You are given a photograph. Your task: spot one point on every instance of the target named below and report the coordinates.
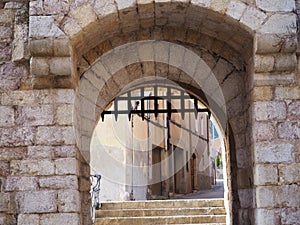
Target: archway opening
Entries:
(157, 142)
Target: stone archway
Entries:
(244, 36)
(116, 69)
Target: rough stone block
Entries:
(104, 8)
(6, 17)
(276, 5)
(246, 198)
(242, 156)
(280, 24)
(265, 174)
(236, 9)
(123, 4)
(38, 115)
(8, 154)
(64, 115)
(65, 152)
(274, 152)
(263, 93)
(32, 167)
(57, 218)
(219, 5)
(68, 201)
(21, 183)
(289, 174)
(290, 216)
(15, 137)
(203, 3)
(253, 18)
(265, 216)
(60, 66)
(4, 202)
(55, 135)
(287, 196)
(264, 63)
(66, 166)
(84, 15)
(59, 182)
(61, 47)
(267, 110)
(289, 93)
(294, 110)
(40, 152)
(43, 47)
(289, 130)
(263, 131)
(286, 62)
(7, 117)
(42, 27)
(39, 66)
(52, 7)
(265, 196)
(28, 219)
(36, 201)
(273, 79)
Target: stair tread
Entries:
(177, 216)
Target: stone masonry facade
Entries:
(57, 74)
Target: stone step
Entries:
(190, 203)
(150, 220)
(161, 212)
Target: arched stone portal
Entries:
(250, 46)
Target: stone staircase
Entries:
(209, 212)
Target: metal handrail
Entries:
(95, 191)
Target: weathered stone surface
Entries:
(294, 110)
(265, 216)
(263, 131)
(60, 66)
(38, 115)
(57, 218)
(59, 182)
(39, 66)
(16, 183)
(280, 24)
(264, 63)
(7, 117)
(32, 167)
(289, 130)
(66, 166)
(274, 152)
(42, 27)
(6, 17)
(65, 152)
(40, 152)
(289, 174)
(273, 79)
(263, 93)
(14, 137)
(253, 18)
(64, 115)
(8, 154)
(68, 201)
(4, 202)
(265, 174)
(287, 93)
(55, 135)
(43, 47)
(276, 5)
(10, 75)
(246, 198)
(28, 219)
(286, 62)
(52, 7)
(36, 201)
(290, 216)
(266, 110)
(80, 13)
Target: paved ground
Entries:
(217, 191)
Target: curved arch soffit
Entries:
(93, 81)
